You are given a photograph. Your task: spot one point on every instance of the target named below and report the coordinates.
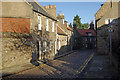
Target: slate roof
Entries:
(84, 32)
(38, 8)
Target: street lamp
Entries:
(110, 30)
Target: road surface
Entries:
(69, 66)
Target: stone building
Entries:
(61, 41)
(70, 37)
(108, 16)
(64, 35)
(84, 39)
(28, 33)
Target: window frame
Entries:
(39, 22)
(53, 25)
(90, 39)
(40, 57)
(89, 34)
(47, 25)
(50, 46)
(44, 46)
(86, 45)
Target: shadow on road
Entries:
(34, 60)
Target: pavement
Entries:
(27, 66)
(100, 67)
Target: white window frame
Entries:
(85, 39)
(59, 44)
(107, 21)
(55, 47)
(44, 46)
(39, 22)
(40, 57)
(63, 21)
(95, 39)
(53, 26)
(89, 34)
(50, 45)
(95, 45)
(47, 25)
(90, 39)
(86, 45)
(67, 25)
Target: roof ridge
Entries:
(40, 5)
(44, 9)
(45, 13)
(28, 3)
(84, 31)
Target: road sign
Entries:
(110, 29)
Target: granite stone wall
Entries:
(62, 44)
(43, 35)
(16, 49)
(102, 40)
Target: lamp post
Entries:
(110, 30)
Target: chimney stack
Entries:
(51, 9)
(61, 18)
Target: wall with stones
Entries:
(62, 44)
(63, 26)
(16, 49)
(70, 37)
(51, 9)
(103, 40)
(106, 12)
(102, 11)
(102, 31)
(43, 35)
(16, 17)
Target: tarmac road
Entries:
(65, 67)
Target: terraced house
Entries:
(70, 37)
(108, 16)
(64, 35)
(28, 33)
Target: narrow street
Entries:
(69, 66)
(60, 39)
